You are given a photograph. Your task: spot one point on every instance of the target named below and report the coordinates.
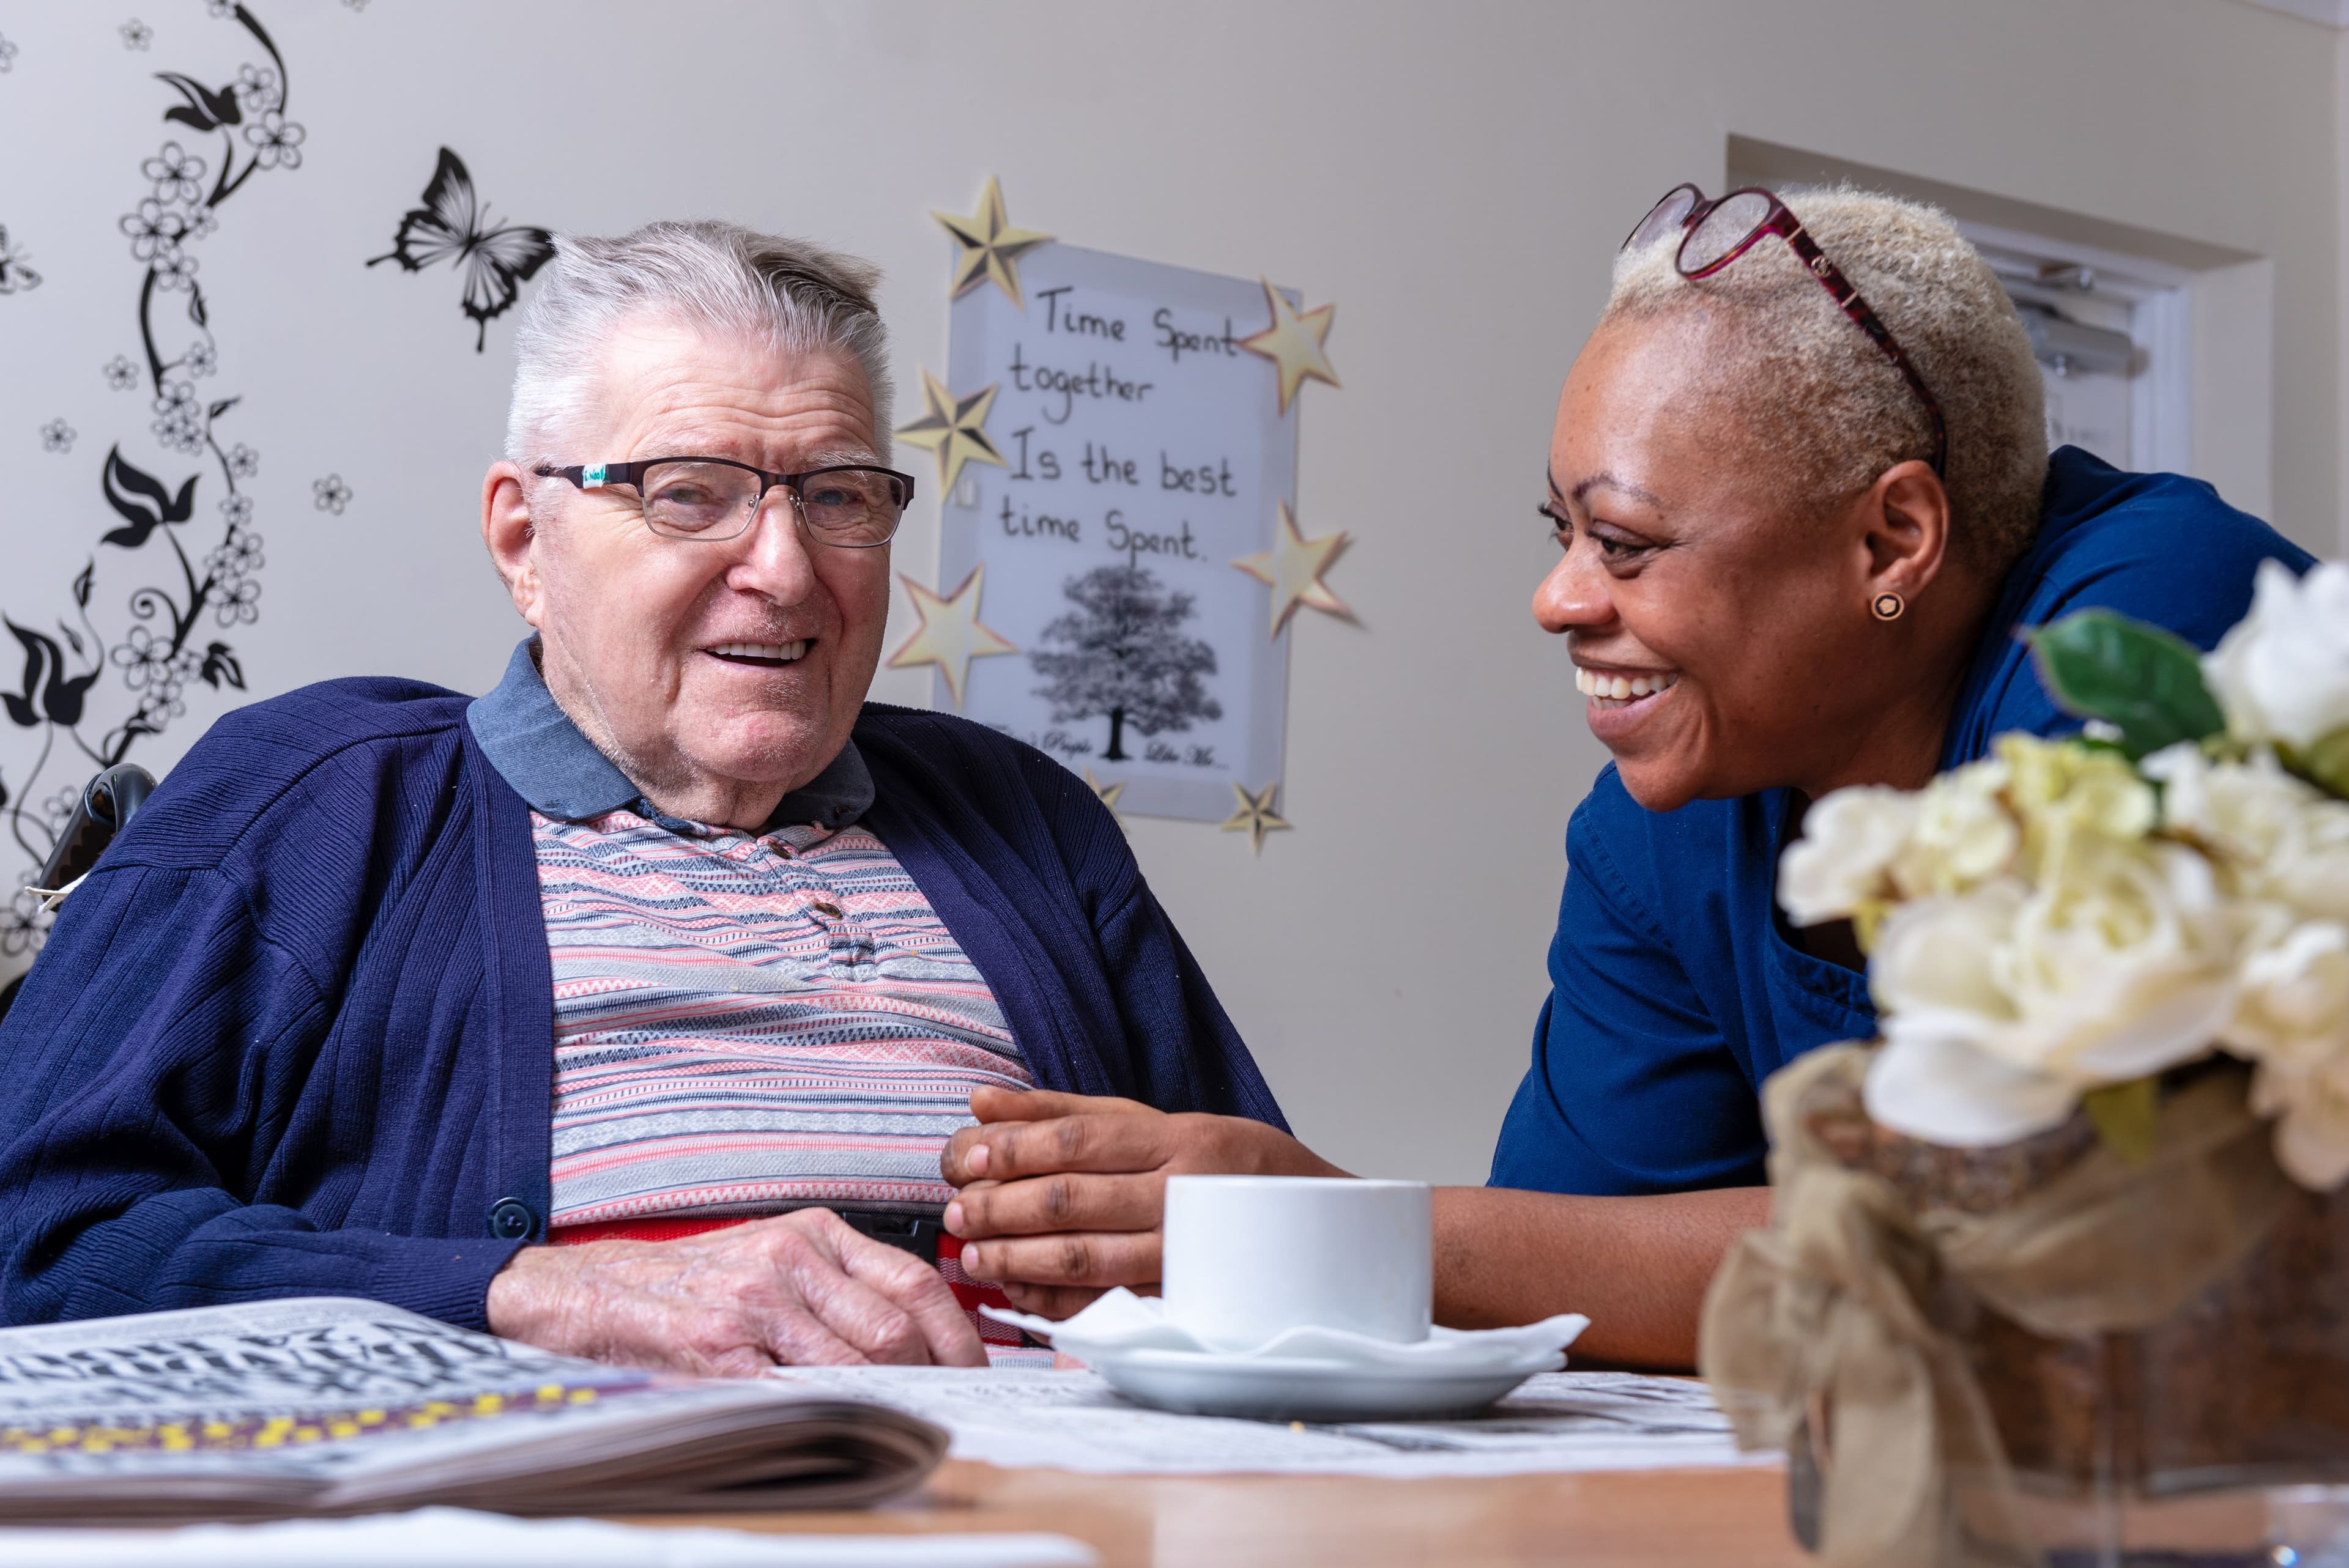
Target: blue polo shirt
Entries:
(1674, 989)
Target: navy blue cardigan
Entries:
(294, 1036)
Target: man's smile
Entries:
(760, 656)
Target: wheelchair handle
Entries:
(107, 805)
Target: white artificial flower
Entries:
(2121, 965)
(2282, 672)
(2072, 799)
(1935, 974)
(2274, 836)
(1963, 834)
(1951, 1094)
(2295, 1003)
(2312, 1135)
(2293, 1021)
(1849, 836)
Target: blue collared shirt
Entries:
(551, 763)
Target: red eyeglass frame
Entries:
(1781, 221)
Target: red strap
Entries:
(642, 1229)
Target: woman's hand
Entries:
(801, 1287)
(1062, 1193)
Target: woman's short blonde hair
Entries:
(1813, 392)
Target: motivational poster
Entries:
(1135, 465)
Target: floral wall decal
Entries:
(161, 639)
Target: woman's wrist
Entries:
(1637, 1267)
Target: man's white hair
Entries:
(1812, 391)
(719, 278)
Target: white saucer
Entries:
(1278, 1389)
(1304, 1374)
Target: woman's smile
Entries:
(1617, 688)
(1621, 701)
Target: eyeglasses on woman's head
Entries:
(1714, 233)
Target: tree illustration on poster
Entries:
(1122, 655)
(165, 642)
(1132, 528)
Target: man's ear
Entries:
(1904, 524)
(512, 542)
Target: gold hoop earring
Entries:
(1887, 606)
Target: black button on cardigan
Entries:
(510, 1220)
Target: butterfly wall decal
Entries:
(15, 275)
(452, 225)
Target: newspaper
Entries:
(324, 1405)
(1074, 1420)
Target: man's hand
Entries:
(802, 1287)
(1062, 1193)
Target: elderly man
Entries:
(671, 948)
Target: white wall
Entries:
(1454, 177)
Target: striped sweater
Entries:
(748, 1023)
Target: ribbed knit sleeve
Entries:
(155, 1059)
(261, 1054)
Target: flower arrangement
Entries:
(2052, 927)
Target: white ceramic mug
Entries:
(1249, 1256)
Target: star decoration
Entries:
(1107, 793)
(951, 635)
(1255, 815)
(955, 429)
(1293, 343)
(1292, 569)
(991, 247)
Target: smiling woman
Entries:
(1804, 503)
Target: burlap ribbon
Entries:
(1834, 1308)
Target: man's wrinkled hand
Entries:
(1062, 1193)
(800, 1288)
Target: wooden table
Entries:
(1650, 1518)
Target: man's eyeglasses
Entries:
(846, 504)
(1716, 234)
